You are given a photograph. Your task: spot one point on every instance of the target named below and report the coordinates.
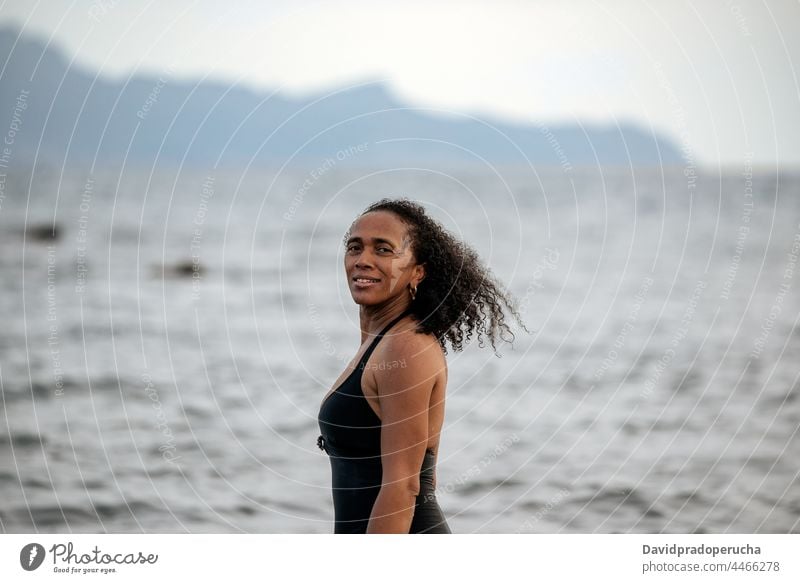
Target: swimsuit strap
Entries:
(368, 352)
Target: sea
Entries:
(168, 335)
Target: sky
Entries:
(719, 78)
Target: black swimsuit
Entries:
(351, 436)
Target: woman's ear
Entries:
(420, 272)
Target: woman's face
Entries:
(378, 248)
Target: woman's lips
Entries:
(365, 282)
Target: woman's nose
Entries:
(364, 258)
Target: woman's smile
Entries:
(365, 282)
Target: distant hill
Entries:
(71, 114)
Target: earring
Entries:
(413, 291)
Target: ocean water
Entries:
(163, 357)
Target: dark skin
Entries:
(409, 399)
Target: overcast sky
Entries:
(718, 77)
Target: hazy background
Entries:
(175, 181)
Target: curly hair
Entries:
(459, 297)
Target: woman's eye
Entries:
(355, 248)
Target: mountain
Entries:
(69, 114)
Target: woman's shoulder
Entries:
(414, 356)
(410, 342)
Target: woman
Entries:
(417, 288)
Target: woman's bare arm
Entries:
(404, 394)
